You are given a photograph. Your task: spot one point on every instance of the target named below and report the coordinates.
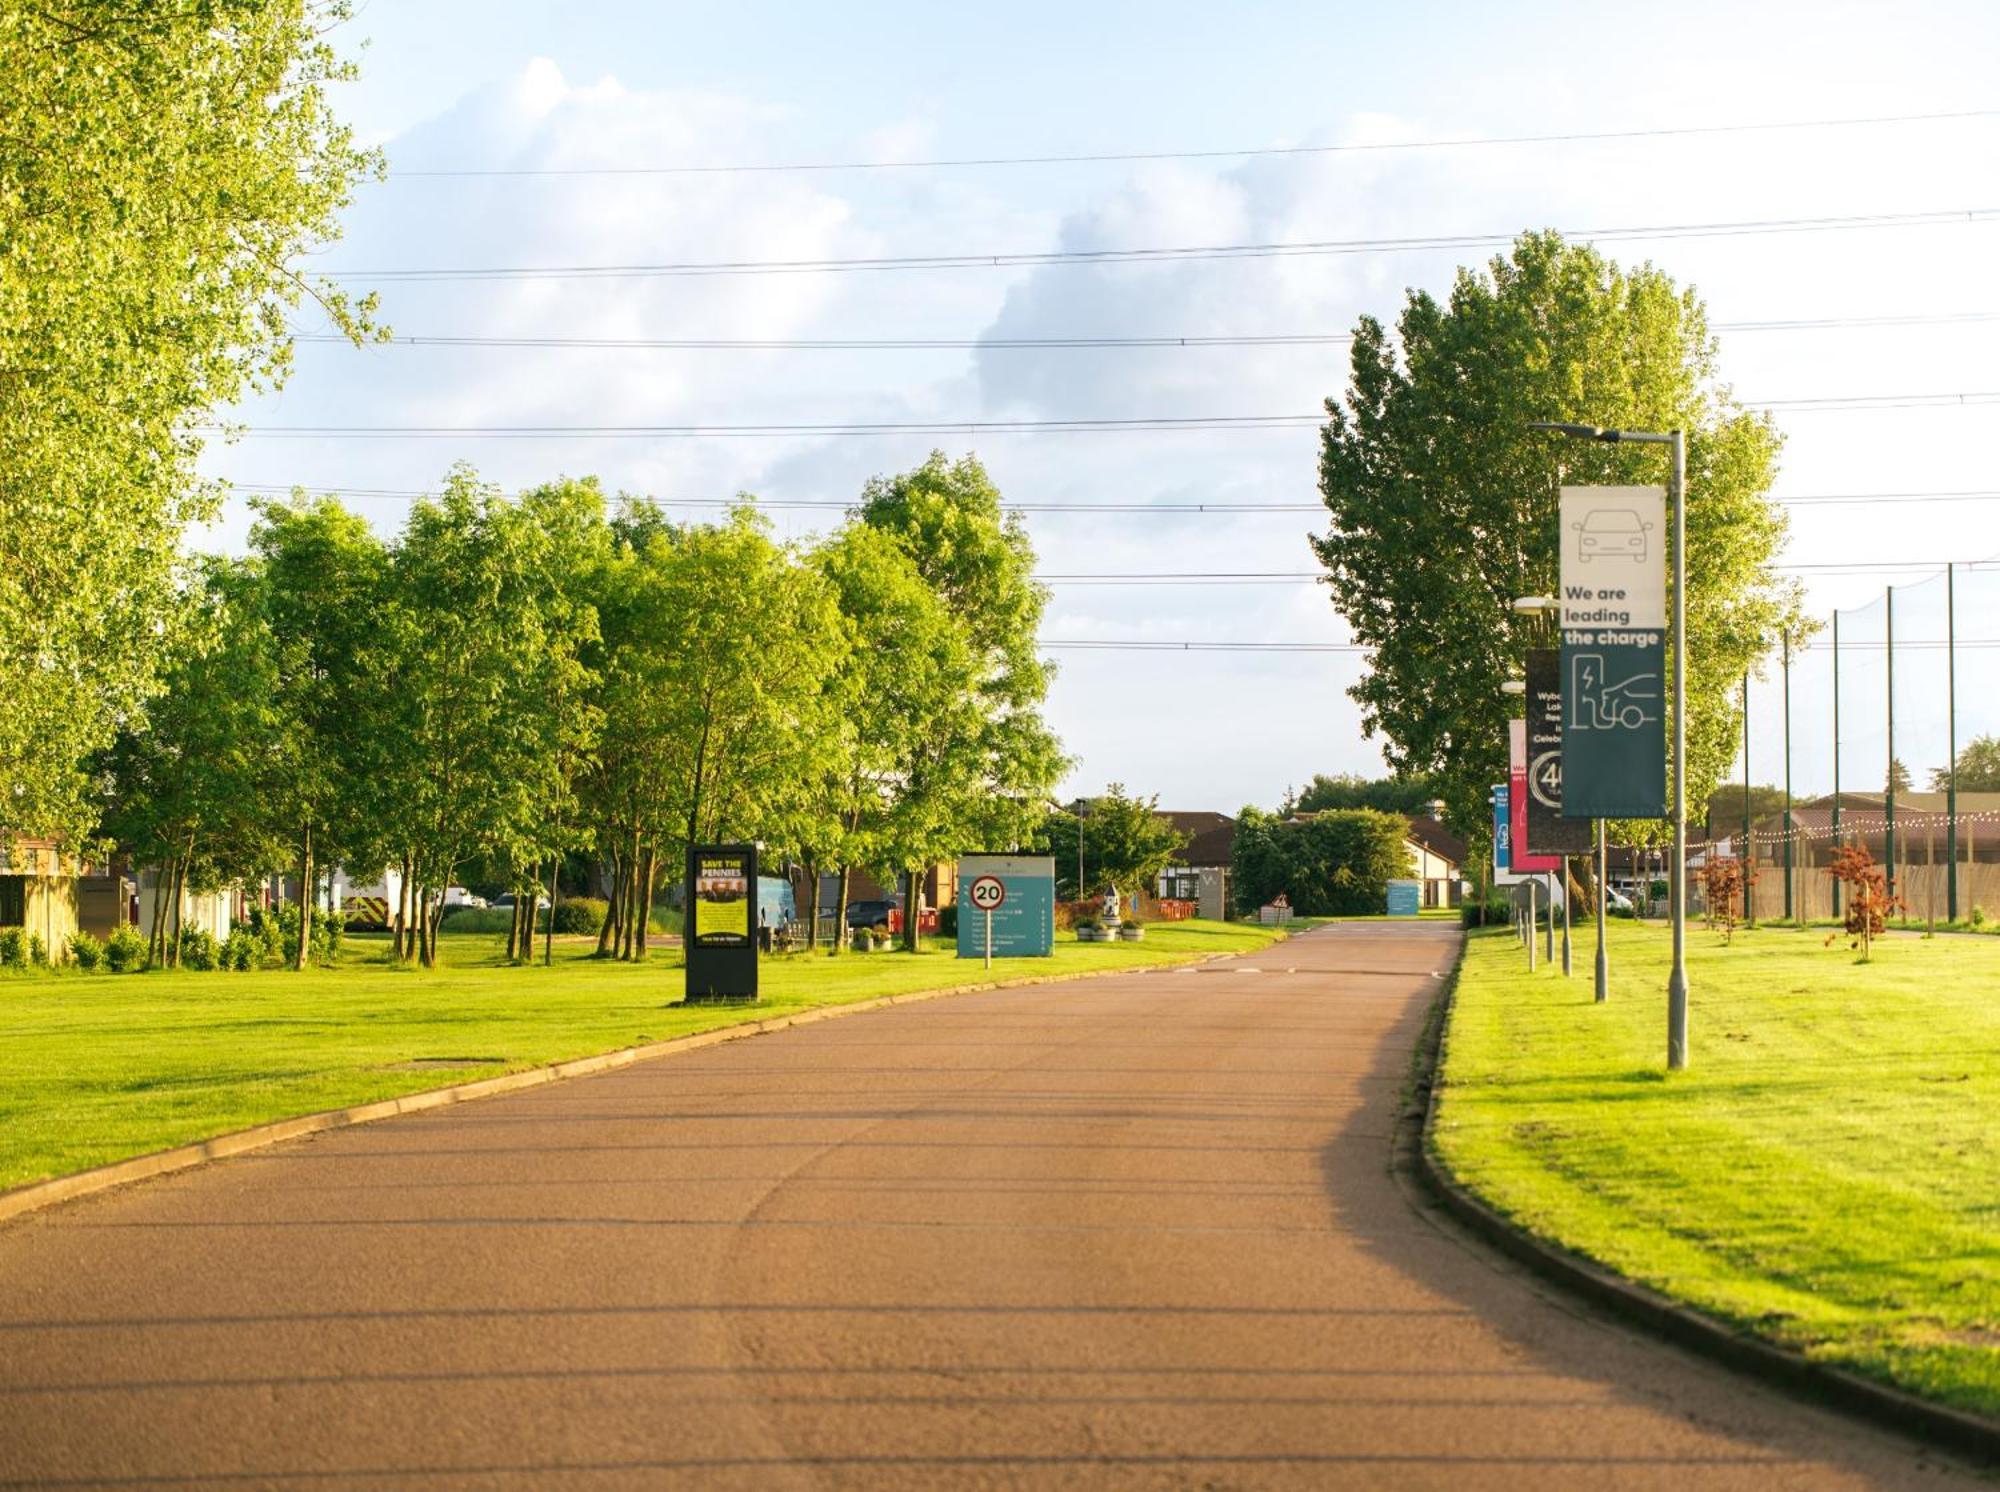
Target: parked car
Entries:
(506, 899)
(885, 915)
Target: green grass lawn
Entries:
(98, 1067)
(1826, 1173)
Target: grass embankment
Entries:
(98, 1067)
(1826, 1173)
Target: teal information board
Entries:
(1405, 898)
(1024, 924)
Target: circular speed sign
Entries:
(986, 893)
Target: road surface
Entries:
(1138, 1231)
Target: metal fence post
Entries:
(1786, 667)
(1834, 842)
(1747, 859)
(1951, 744)
(1889, 787)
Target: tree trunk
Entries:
(812, 903)
(180, 893)
(642, 906)
(403, 911)
(840, 911)
(305, 899)
(549, 934)
(607, 935)
(913, 895)
(433, 916)
(156, 941)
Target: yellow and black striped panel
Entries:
(367, 911)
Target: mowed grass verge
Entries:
(96, 1068)
(1826, 1173)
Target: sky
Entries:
(449, 86)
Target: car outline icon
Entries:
(1612, 533)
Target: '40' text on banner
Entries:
(1614, 652)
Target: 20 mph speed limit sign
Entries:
(986, 893)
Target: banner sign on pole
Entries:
(1525, 862)
(1614, 652)
(1549, 833)
(1503, 832)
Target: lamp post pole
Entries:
(1676, 442)
(1603, 959)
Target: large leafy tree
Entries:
(900, 692)
(1443, 505)
(1978, 767)
(1337, 862)
(162, 167)
(492, 709)
(186, 783)
(1351, 790)
(717, 718)
(1127, 842)
(989, 777)
(326, 584)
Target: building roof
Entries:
(1435, 837)
(1214, 836)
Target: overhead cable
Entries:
(1373, 147)
(1166, 255)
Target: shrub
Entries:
(1978, 918)
(197, 949)
(464, 919)
(242, 950)
(948, 922)
(38, 951)
(124, 949)
(580, 915)
(1499, 911)
(86, 950)
(13, 948)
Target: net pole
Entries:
(1950, 744)
(1786, 671)
(1889, 786)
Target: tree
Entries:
(1127, 843)
(985, 784)
(1409, 795)
(1899, 776)
(899, 688)
(1332, 863)
(326, 578)
(716, 710)
(1443, 505)
(491, 706)
(186, 782)
(161, 167)
(1978, 768)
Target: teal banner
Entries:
(1614, 740)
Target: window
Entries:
(13, 901)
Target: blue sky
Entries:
(461, 85)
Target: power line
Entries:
(413, 494)
(1174, 254)
(1150, 645)
(936, 344)
(1079, 425)
(1241, 153)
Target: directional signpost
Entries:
(1614, 653)
(1015, 899)
(987, 894)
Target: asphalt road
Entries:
(1131, 1232)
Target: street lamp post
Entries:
(1676, 442)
